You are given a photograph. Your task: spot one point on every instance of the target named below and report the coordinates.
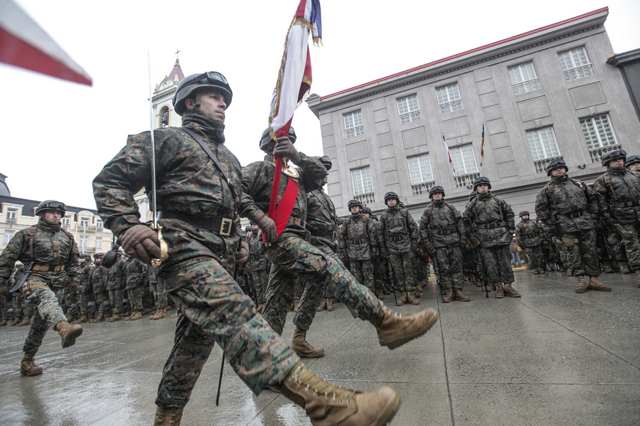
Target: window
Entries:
(420, 169)
(99, 226)
(598, 132)
(8, 235)
(543, 143)
(84, 224)
(408, 109)
(361, 179)
(65, 222)
(12, 216)
(523, 78)
(98, 243)
(353, 124)
(449, 98)
(464, 162)
(575, 63)
(83, 243)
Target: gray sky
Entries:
(56, 136)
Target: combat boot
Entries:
(330, 304)
(98, 318)
(459, 295)
(114, 318)
(402, 300)
(15, 322)
(499, 291)
(301, 347)
(136, 315)
(68, 333)
(582, 284)
(510, 291)
(542, 272)
(174, 315)
(70, 318)
(561, 268)
(615, 265)
(323, 305)
(147, 311)
(608, 269)
(411, 298)
(595, 284)
(448, 296)
(624, 268)
(327, 404)
(379, 294)
(491, 287)
(158, 315)
(81, 320)
(28, 366)
(536, 271)
(395, 329)
(25, 321)
(3, 323)
(168, 416)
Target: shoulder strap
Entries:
(583, 187)
(607, 181)
(551, 188)
(453, 209)
(324, 204)
(70, 235)
(497, 200)
(403, 212)
(32, 233)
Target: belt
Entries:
(357, 240)
(330, 236)
(444, 232)
(48, 268)
(296, 221)
(222, 226)
(572, 215)
(493, 225)
(627, 204)
(401, 238)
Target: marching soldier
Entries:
(568, 209)
(529, 238)
(492, 220)
(360, 236)
(444, 236)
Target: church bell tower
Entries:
(162, 97)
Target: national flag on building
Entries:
(446, 146)
(482, 142)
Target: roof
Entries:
(472, 51)
(4, 189)
(621, 59)
(176, 71)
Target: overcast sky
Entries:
(56, 136)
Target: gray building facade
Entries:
(541, 95)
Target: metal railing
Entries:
(597, 153)
(422, 188)
(541, 165)
(365, 199)
(12, 220)
(466, 181)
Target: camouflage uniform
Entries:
(84, 289)
(259, 266)
(55, 248)
(400, 237)
(99, 278)
(529, 237)
(116, 284)
(380, 274)
(135, 275)
(360, 235)
(156, 287)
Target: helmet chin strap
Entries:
(198, 95)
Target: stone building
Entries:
(541, 95)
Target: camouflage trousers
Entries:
(215, 310)
(380, 275)
(48, 314)
(260, 281)
(450, 266)
(135, 298)
(362, 270)
(102, 300)
(83, 303)
(294, 257)
(536, 257)
(618, 249)
(580, 249)
(22, 306)
(115, 300)
(629, 249)
(497, 264)
(71, 301)
(159, 295)
(402, 265)
(422, 268)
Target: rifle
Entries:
(20, 281)
(436, 269)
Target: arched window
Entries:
(164, 117)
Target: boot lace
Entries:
(304, 377)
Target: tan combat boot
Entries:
(301, 347)
(114, 318)
(28, 366)
(606, 266)
(136, 315)
(158, 315)
(98, 318)
(499, 291)
(542, 271)
(81, 320)
(379, 294)
(448, 296)
(510, 291)
(330, 304)
(68, 333)
(168, 416)
(402, 300)
(327, 404)
(411, 298)
(14, 322)
(323, 306)
(491, 287)
(624, 268)
(536, 271)
(25, 321)
(3, 323)
(582, 286)
(595, 284)
(395, 329)
(459, 295)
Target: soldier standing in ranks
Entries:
(159, 294)
(400, 237)
(115, 277)
(569, 209)
(378, 271)
(99, 280)
(492, 219)
(84, 289)
(52, 254)
(259, 266)
(529, 238)
(360, 236)
(619, 194)
(633, 164)
(442, 233)
(134, 276)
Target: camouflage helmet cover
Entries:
(614, 155)
(190, 85)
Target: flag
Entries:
(24, 44)
(447, 148)
(482, 145)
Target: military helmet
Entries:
(326, 162)
(481, 181)
(435, 190)
(473, 195)
(195, 82)
(366, 210)
(389, 195)
(51, 205)
(98, 255)
(247, 229)
(354, 203)
(614, 155)
(524, 213)
(400, 204)
(265, 138)
(556, 164)
(632, 160)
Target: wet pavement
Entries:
(553, 357)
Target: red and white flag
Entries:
(446, 147)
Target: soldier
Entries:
(399, 241)
(159, 295)
(529, 238)
(443, 234)
(84, 289)
(116, 282)
(633, 163)
(492, 220)
(361, 239)
(52, 254)
(568, 208)
(135, 274)
(379, 276)
(99, 280)
(259, 265)
(197, 201)
(619, 193)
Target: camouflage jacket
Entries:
(152, 274)
(99, 279)
(491, 219)
(528, 234)
(258, 181)
(116, 275)
(257, 259)
(445, 223)
(577, 207)
(135, 273)
(398, 230)
(321, 219)
(359, 233)
(188, 183)
(85, 274)
(619, 195)
(52, 247)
